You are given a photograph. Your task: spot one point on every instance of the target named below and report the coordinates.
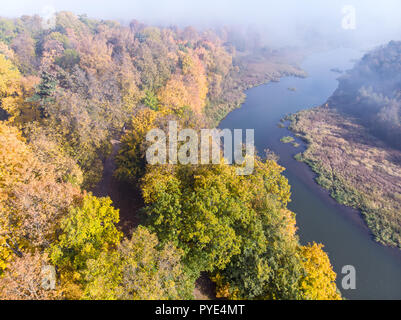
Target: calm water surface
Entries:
(319, 218)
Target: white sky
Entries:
(282, 18)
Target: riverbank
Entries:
(358, 169)
(252, 70)
(320, 218)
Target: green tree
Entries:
(236, 227)
(209, 211)
(44, 92)
(269, 266)
(138, 270)
(151, 100)
(69, 59)
(87, 231)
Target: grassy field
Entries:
(358, 169)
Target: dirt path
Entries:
(124, 197)
(129, 201)
(205, 289)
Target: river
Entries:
(344, 234)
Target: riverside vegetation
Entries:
(353, 141)
(65, 93)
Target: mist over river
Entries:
(319, 218)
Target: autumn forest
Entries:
(87, 90)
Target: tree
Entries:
(32, 199)
(138, 270)
(24, 280)
(236, 227)
(209, 211)
(193, 213)
(69, 59)
(14, 162)
(187, 88)
(269, 266)
(151, 100)
(174, 95)
(94, 53)
(87, 231)
(7, 30)
(10, 85)
(44, 92)
(319, 281)
(131, 157)
(24, 47)
(80, 129)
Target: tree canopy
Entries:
(67, 92)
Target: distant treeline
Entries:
(85, 78)
(371, 91)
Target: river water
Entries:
(319, 218)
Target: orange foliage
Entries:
(186, 89)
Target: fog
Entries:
(280, 22)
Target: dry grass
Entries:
(359, 170)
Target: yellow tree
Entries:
(319, 283)
(95, 54)
(140, 269)
(195, 77)
(14, 91)
(131, 157)
(10, 85)
(15, 161)
(174, 95)
(88, 231)
(185, 89)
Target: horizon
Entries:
(285, 23)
